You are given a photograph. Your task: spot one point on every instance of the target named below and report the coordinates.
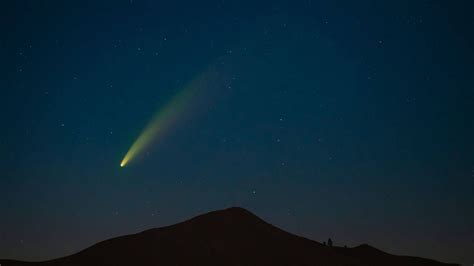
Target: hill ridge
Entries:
(231, 236)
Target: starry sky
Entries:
(343, 119)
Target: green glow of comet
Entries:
(164, 118)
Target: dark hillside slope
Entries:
(232, 236)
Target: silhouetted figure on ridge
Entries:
(329, 242)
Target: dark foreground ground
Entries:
(232, 236)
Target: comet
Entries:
(166, 116)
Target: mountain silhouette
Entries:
(233, 236)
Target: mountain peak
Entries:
(231, 215)
(227, 221)
(233, 211)
(232, 236)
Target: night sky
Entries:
(344, 119)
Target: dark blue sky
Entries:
(343, 119)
